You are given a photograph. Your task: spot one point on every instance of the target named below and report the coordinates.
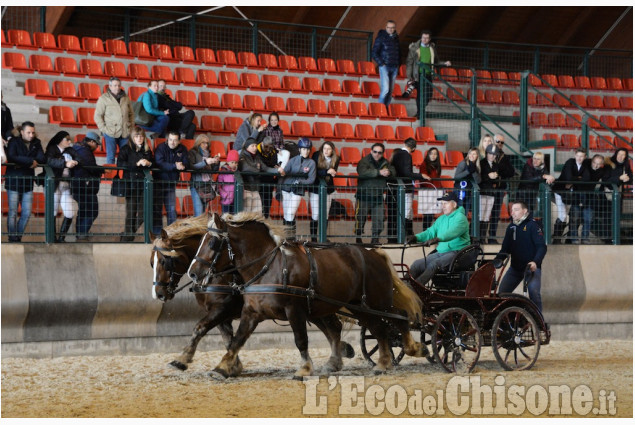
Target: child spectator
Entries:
(226, 182)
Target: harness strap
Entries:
(363, 263)
(214, 289)
(312, 277)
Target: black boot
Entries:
(483, 232)
(314, 230)
(558, 230)
(358, 236)
(66, 224)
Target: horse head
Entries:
(169, 263)
(208, 255)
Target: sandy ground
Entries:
(144, 386)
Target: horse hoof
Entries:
(347, 350)
(219, 374)
(178, 365)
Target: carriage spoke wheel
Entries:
(370, 348)
(456, 341)
(515, 339)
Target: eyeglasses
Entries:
(378, 152)
(499, 142)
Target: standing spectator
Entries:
(402, 161)
(270, 157)
(150, 101)
(490, 184)
(373, 171)
(293, 187)
(61, 157)
(466, 174)
(85, 184)
(226, 182)
(114, 118)
(25, 151)
(576, 171)
(386, 54)
(430, 169)
(422, 52)
(505, 172)
(600, 206)
(483, 144)
(251, 127)
(134, 158)
(525, 242)
(179, 121)
(619, 170)
(327, 161)
(200, 160)
(534, 173)
(171, 158)
(251, 162)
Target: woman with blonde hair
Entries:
(486, 140)
(327, 161)
(203, 164)
(251, 127)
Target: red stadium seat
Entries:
(398, 110)
(343, 130)
(38, 88)
(347, 66)
(582, 82)
(218, 147)
(92, 68)
(323, 130)
(511, 98)
(45, 41)
(453, 158)
(250, 80)
(493, 96)
(573, 121)
(318, 107)
(43, 65)
(449, 74)
(350, 156)
(561, 101)
(207, 77)
(367, 68)
(269, 61)
(231, 101)
(403, 132)
(327, 65)
(297, 106)
(626, 103)
(274, 103)
(556, 119)
(500, 77)
(386, 133)
(311, 84)
(598, 83)
(625, 122)
(20, 38)
(213, 124)
(187, 98)
(206, 56)
(611, 102)
(292, 83)
(357, 109)
(551, 79)
(229, 79)
(88, 91)
(140, 72)
(352, 88)
(552, 136)
(595, 101)
(364, 132)
(378, 110)
(248, 60)
(162, 72)
(566, 82)
(614, 83)
(609, 121)
(272, 82)
(86, 116)
(301, 129)
(232, 124)
(544, 99)
(67, 66)
(63, 116)
(425, 134)
(118, 69)
(628, 84)
(227, 58)
(306, 63)
(370, 88)
(570, 141)
(66, 90)
(186, 76)
(332, 86)
(163, 53)
(16, 62)
(117, 48)
(253, 103)
(135, 92)
(579, 100)
(140, 50)
(338, 107)
(70, 43)
(186, 55)
(538, 119)
(288, 62)
(484, 76)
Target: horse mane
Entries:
(403, 297)
(276, 231)
(185, 228)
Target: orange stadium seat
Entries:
(16, 62)
(378, 110)
(350, 155)
(352, 88)
(42, 64)
(218, 147)
(500, 77)
(86, 116)
(551, 79)
(357, 109)
(566, 82)
(364, 132)
(582, 82)
(185, 75)
(579, 100)
(484, 76)
(232, 124)
(561, 101)
(366, 68)
(338, 107)
(595, 101)
(449, 74)
(628, 83)
(332, 86)
(609, 121)
(267, 60)
(573, 121)
(229, 79)
(250, 80)
(163, 52)
(614, 83)
(213, 124)
(20, 38)
(598, 83)
(370, 88)
(231, 101)
(274, 103)
(511, 97)
(207, 77)
(544, 99)
(185, 54)
(227, 58)
(538, 119)
(625, 122)
(552, 136)
(117, 69)
(248, 60)
(38, 88)
(386, 133)
(453, 158)
(45, 41)
(62, 115)
(88, 91)
(140, 72)
(347, 66)
(327, 65)
(311, 84)
(493, 96)
(67, 66)
(70, 43)
(556, 119)
(253, 103)
(308, 64)
(611, 102)
(514, 77)
(403, 132)
(187, 98)
(398, 110)
(136, 92)
(288, 62)
(272, 82)
(425, 134)
(162, 72)
(140, 50)
(343, 130)
(621, 143)
(292, 83)
(117, 48)
(323, 130)
(626, 103)
(206, 56)
(92, 68)
(301, 129)
(297, 105)
(284, 125)
(318, 107)
(66, 90)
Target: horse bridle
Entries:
(172, 285)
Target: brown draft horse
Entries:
(344, 274)
(172, 253)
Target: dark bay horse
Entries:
(172, 253)
(343, 274)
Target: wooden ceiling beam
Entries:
(57, 17)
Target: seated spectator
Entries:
(251, 162)
(326, 161)
(61, 157)
(202, 183)
(251, 127)
(534, 173)
(179, 121)
(466, 174)
(294, 187)
(226, 182)
(171, 158)
(450, 231)
(85, 184)
(274, 131)
(430, 169)
(490, 184)
(134, 158)
(114, 117)
(150, 101)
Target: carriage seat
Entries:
(458, 273)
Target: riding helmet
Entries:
(304, 143)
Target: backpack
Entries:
(141, 116)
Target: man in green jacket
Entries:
(373, 171)
(450, 231)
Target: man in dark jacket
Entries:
(85, 184)
(402, 161)
(25, 151)
(576, 171)
(373, 171)
(525, 242)
(386, 54)
(505, 172)
(534, 173)
(171, 158)
(179, 121)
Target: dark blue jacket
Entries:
(85, 179)
(19, 177)
(525, 242)
(386, 49)
(166, 159)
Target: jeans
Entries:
(513, 277)
(423, 269)
(574, 220)
(111, 147)
(164, 194)
(387, 76)
(159, 125)
(197, 203)
(16, 227)
(87, 212)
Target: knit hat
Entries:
(248, 142)
(91, 135)
(493, 149)
(232, 155)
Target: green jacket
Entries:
(452, 231)
(371, 185)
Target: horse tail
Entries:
(403, 297)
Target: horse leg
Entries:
(297, 319)
(332, 329)
(411, 347)
(230, 365)
(379, 330)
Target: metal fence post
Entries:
(49, 213)
(43, 19)
(126, 26)
(148, 205)
(254, 39)
(401, 212)
(238, 192)
(475, 128)
(537, 61)
(369, 47)
(585, 64)
(584, 142)
(323, 219)
(545, 209)
(617, 214)
(523, 137)
(476, 225)
(486, 56)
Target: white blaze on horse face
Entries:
(156, 261)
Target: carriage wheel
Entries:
(456, 340)
(515, 339)
(370, 348)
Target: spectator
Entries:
(534, 173)
(327, 161)
(251, 127)
(430, 169)
(171, 158)
(422, 52)
(373, 171)
(619, 170)
(251, 162)
(61, 157)
(203, 164)
(525, 242)
(150, 101)
(270, 158)
(402, 161)
(134, 158)
(226, 182)
(505, 171)
(483, 144)
(26, 154)
(576, 171)
(490, 184)
(274, 131)
(85, 184)
(386, 54)
(600, 206)
(7, 124)
(293, 187)
(114, 118)
(179, 121)
(450, 231)
(466, 174)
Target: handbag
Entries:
(118, 187)
(206, 191)
(141, 116)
